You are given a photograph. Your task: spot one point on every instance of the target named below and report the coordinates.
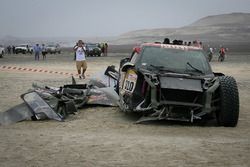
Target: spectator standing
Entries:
(222, 53)
(105, 49)
(37, 51)
(81, 63)
(9, 49)
(166, 41)
(102, 48)
(196, 44)
(28, 49)
(201, 45)
(44, 52)
(13, 49)
(210, 54)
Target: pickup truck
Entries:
(1, 51)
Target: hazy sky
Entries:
(89, 18)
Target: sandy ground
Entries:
(103, 136)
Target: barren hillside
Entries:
(220, 28)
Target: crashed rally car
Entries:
(175, 82)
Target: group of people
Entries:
(185, 43)
(11, 49)
(39, 49)
(222, 53)
(222, 50)
(104, 48)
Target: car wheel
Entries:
(228, 112)
(1, 55)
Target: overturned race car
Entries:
(175, 82)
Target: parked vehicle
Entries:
(93, 49)
(2, 51)
(53, 49)
(23, 48)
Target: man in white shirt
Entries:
(81, 64)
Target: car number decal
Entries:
(130, 81)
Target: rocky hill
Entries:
(220, 28)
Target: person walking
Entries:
(81, 64)
(37, 51)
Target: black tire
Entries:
(228, 113)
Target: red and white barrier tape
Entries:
(35, 70)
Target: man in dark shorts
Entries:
(44, 52)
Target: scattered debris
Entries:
(57, 103)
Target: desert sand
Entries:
(103, 136)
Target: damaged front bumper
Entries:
(173, 97)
